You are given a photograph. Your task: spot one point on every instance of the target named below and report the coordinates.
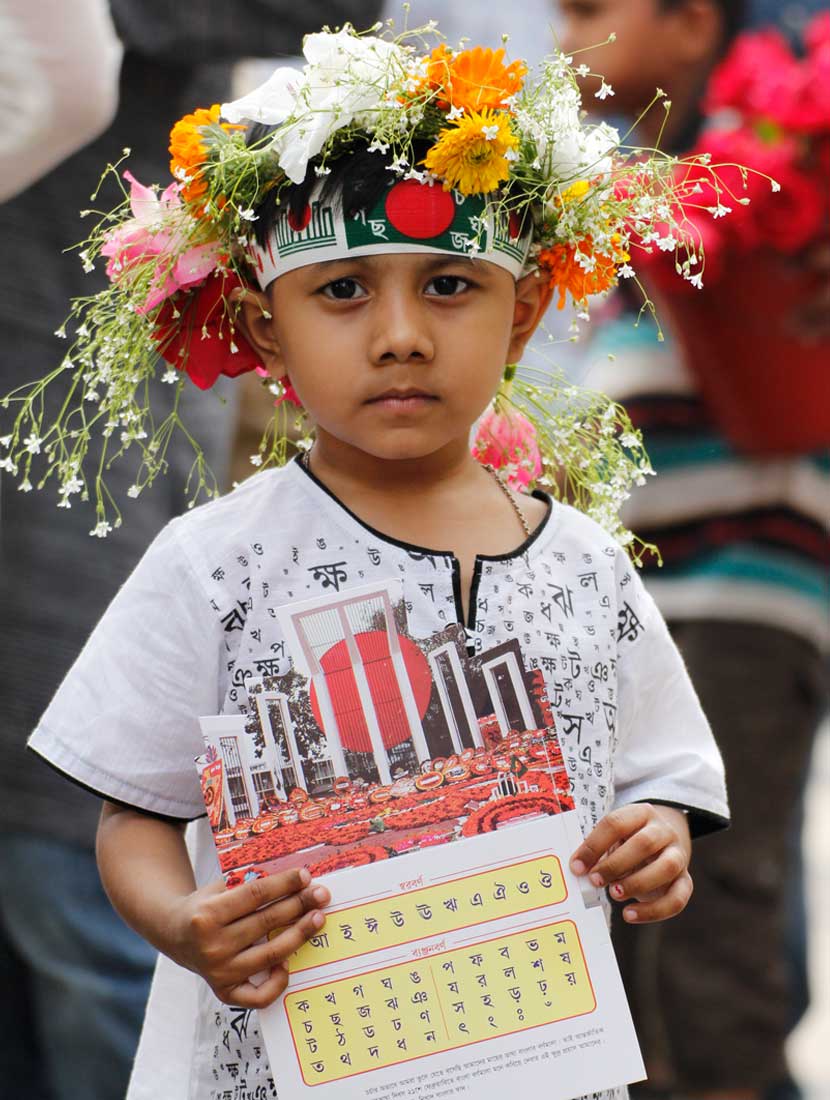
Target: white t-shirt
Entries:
(198, 617)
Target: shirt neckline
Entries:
(412, 548)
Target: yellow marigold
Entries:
(473, 155)
(189, 151)
(474, 80)
(566, 274)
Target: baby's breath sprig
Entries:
(591, 454)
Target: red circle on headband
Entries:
(298, 224)
(419, 211)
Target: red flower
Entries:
(202, 339)
(759, 77)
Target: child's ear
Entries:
(533, 295)
(255, 319)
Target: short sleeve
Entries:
(665, 752)
(124, 722)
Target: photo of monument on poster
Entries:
(375, 743)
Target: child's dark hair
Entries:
(356, 181)
(733, 12)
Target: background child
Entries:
(745, 587)
(395, 340)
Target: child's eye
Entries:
(343, 290)
(447, 286)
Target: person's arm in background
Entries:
(59, 65)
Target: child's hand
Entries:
(640, 851)
(215, 932)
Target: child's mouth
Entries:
(403, 400)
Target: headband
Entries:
(411, 217)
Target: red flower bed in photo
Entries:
(353, 857)
(487, 818)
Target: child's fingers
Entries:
(671, 902)
(265, 956)
(654, 876)
(252, 895)
(613, 828)
(246, 995)
(637, 850)
(276, 916)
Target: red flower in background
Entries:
(204, 341)
(769, 111)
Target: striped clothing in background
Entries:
(742, 539)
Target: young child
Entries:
(393, 328)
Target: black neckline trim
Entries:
(412, 548)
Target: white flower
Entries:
(719, 211)
(133, 491)
(5, 441)
(453, 113)
(345, 80)
(696, 280)
(25, 486)
(248, 215)
(72, 486)
(32, 443)
(605, 90)
(626, 272)
(170, 376)
(582, 70)
(775, 185)
(272, 102)
(101, 530)
(490, 132)
(256, 460)
(8, 465)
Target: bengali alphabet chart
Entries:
(433, 984)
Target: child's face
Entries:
(643, 56)
(397, 355)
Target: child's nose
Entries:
(402, 333)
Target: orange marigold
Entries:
(474, 79)
(566, 274)
(188, 150)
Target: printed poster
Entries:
(479, 962)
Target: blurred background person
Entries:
(745, 587)
(73, 978)
(53, 97)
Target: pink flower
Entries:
(506, 440)
(158, 231)
(817, 35)
(758, 77)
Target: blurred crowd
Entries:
(743, 524)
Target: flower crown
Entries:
(517, 156)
